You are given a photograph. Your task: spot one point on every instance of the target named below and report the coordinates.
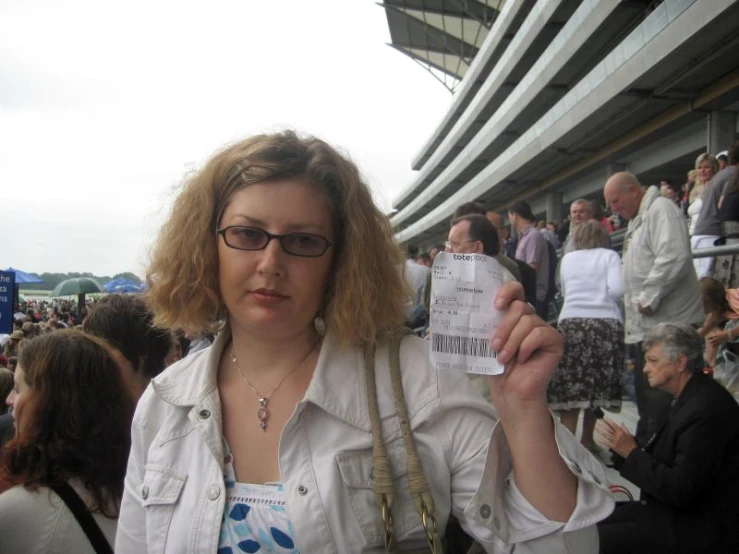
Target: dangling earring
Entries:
(320, 325)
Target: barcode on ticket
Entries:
(465, 346)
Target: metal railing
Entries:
(723, 250)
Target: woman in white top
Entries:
(262, 442)
(72, 416)
(706, 166)
(589, 373)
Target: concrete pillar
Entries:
(554, 206)
(721, 131)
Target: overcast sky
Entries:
(105, 106)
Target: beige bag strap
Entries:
(419, 486)
(383, 482)
(383, 479)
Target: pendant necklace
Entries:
(263, 411)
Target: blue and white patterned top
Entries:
(254, 518)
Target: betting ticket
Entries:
(463, 318)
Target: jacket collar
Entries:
(193, 378)
(651, 194)
(336, 385)
(693, 384)
(526, 230)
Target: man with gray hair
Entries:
(688, 472)
(581, 210)
(659, 280)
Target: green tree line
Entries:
(51, 280)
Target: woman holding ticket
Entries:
(284, 435)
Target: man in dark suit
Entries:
(688, 472)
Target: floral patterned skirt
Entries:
(589, 373)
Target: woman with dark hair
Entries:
(68, 458)
(718, 313)
(6, 385)
(721, 331)
(6, 419)
(671, 191)
(599, 215)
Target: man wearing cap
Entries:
(11, 348)
(723, 159)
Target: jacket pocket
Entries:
(160, 492)
(357, 473)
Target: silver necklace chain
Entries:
(263, 411)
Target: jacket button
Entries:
(204, 414)
(302, 490)
(214, 491)
(485, 511)
(144, 492)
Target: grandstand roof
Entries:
(580, 91)
(443, 36)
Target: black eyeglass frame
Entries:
(327, 243)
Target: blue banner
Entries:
(7, 299)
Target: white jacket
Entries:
(174, 495)
(658, 268)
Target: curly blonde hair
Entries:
(366, 294)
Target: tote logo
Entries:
(470, 257)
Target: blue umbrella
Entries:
(123, 285)
(21, 277)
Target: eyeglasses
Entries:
(450, 246)
(305, 245)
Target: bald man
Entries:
(659, 280)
